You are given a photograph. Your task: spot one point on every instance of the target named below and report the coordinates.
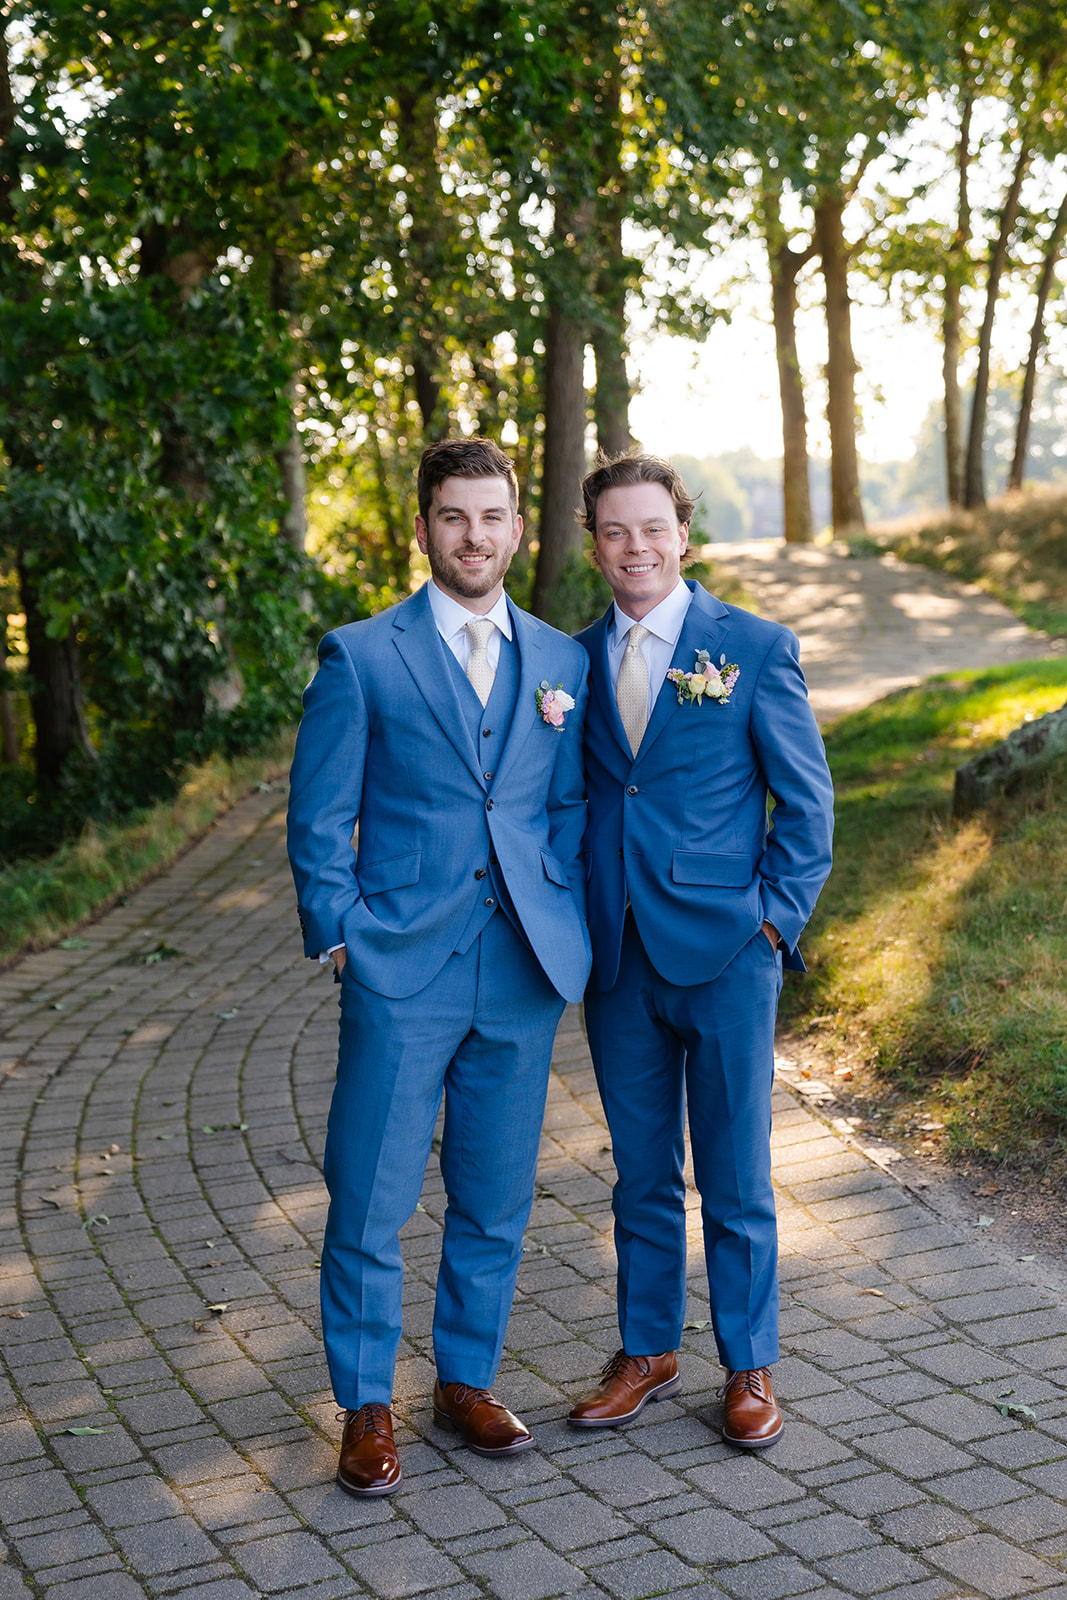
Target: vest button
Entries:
(489, 805)
(631, 788)
(479, 872)
(490, 902)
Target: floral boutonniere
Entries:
(553, 704)
(715, 682)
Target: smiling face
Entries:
(640, 544)
(470, 537)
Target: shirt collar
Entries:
(451, 617)
(664, 620)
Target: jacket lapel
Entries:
(423, 652)
(706, 625)
(601, 692)
(530, 639)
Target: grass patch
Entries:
(42, 901)
(1016, 549)
(937, 950)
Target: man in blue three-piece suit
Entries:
(449, 728)
(697, 713)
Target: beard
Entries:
(450, 574)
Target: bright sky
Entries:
(705, 399)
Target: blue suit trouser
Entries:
(658, 1047)
(481, 1034)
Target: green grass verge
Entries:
(937, 950)
(42, 901)
(1016, 550)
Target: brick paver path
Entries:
(166, 1424)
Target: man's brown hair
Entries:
(622, 472)
(463, 458)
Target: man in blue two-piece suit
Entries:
(449, 728)
(698, 712)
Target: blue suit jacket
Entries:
(683, 825)
(384, 742)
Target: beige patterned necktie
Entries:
(631, 689)
(479, 673)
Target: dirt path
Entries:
(868, 626)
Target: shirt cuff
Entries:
(324, 955)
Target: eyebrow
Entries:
(487, 510)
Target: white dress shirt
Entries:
(664, 623)
(451, 619)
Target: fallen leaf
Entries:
(199, 1327)
(226, 1015)
(219, 1307)
(985, 1222)
(99, 1221)
(18, 1316)
(695, 1327)
(877, 1292)
(1013, 1408)
(422, 1208)
(986, 1190)
(1002, 983)
(74, 944)
(78, 1432)
(1025, 1258)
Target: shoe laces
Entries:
(372, 1418)
(619, 1365)
(751, 1382)
(465, 1395)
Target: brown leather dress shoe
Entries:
(488, 1428)
(752, 1419)
(368, 1464)
(627, 1384)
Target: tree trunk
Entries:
(426, 253)
(952, 317)
(9, 733)
(1037, 339)
(785, 265)
(55, 691)
(846, 502)
(611, 398)
(561, 535)
(290, 457)
(974, 482)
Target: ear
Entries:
(517, 533)
(683, 531)
(421, 533)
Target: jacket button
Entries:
(479, 872)
(490, 902)
(489, 805)
(488, 776)
(487, 733)
(631, 788)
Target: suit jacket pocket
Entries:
(714, 871)
(394, 873)
(554, 870)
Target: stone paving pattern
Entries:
(165, 1422)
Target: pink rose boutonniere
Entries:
(553, 704)
(715, 682)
